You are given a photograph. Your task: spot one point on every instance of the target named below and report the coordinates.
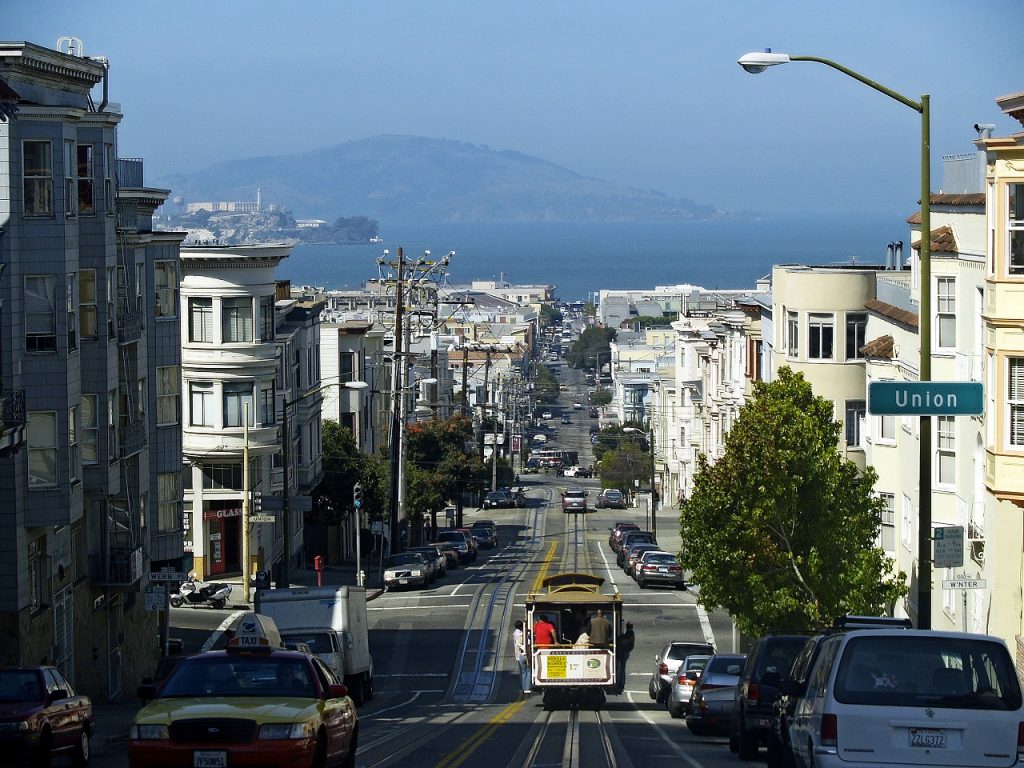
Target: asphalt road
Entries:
(447, 692)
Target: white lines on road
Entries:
(705, 625)
(676, 749)
(611, 576)
(215, 635)
(414, 607)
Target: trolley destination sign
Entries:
(925, 398)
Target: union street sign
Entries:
(925, 398)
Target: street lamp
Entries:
(283, 578)
(756, 63)
(650, 444)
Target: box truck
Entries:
(332, 622)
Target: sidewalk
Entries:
(333, 575)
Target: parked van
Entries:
(908, 697)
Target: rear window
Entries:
(938, 672)
(780, 654)
(660, 560)
(318, 642)
(725, 665)
(680, 651)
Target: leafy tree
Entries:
(545, 385)
(601, 396)
(593, 341)
(549, 315)
(590, 309)
(624, 465)
(781, 530)
(650, 321)
(345, 465)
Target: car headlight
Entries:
(20, 725)
(286, 730)
(148, 732)
(417, 573)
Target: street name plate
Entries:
(949, 546)
(963, 584)
(261, 518)
(167, 576)
(925, 398)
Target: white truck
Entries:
(332, 622)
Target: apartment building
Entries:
(89, 359)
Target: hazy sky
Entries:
(646, 94)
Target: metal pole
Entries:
(654, 504)
(924, 532)
(283, 578)
(245, 504)
(396, 416)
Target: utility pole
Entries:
(396, 406)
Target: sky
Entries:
(644, 93)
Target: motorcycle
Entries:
(192, 593)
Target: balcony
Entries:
(12, 421)
(120, 568)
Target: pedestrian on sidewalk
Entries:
(519, 650)
(624, 645)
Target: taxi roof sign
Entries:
(255, 631)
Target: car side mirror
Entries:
(337, 691)
(57, 695)
(792, 688)
(146, 692)
(771, 679)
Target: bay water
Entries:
(581, 258)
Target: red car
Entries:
(41, 716)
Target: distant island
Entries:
(275, 225)
(415, 180)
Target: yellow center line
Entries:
(543, 573)
(456, 758)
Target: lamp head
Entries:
(356, 385)
(756, 63)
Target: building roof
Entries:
(1012, 105)
(880, 347)
(893, 313)
(943, 241)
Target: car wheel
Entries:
(80, 754)
(747, 746)
(41, 759)
(675, 712)
(696, 730)
(368, 687)
(734, 742)
(350, 756)
(641, 583)
(320, 755)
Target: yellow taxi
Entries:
(254, 704)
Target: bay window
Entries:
(37, 176)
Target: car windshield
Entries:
(427, 553)
(318, 642)
(405, 558)
(725, 665)
(455, 536)
(681, 651)
(916, 671)
(20, 685)
(612, 494)
(220, 674)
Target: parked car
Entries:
(566, 419)
(41, 716)
(577, 471)
(546, 415)
(610, 498)
(498, 499)
(910, 697)
(768, 661)
(462, 542)
(632, 537)
(633, 553)
(617, 530)
(677, 702)
(451, 554)
(713, 698)
(485, 533)
(578, 406)
(406, 569)
(667, 663)
(658, 567)
(434, 558)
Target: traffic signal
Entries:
(357, 495)
(257, 502)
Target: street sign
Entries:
(925, 398)
(949, 546)
(167, 576)
(272, 504)
(262, 518)
(300, 503)
(963, 584)
(156, 598)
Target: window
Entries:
(945, 449)
(889, 512)
(1015, 235)
(168, 395)
(87, 328)
(108, 179)
(945, 317)
(42, 448)
(792, 334)
(907, 526)
(169, 488)
(887, 429)
(200, 313)
(222, 476)
(266, 318)
(1015, 398)
(236, 317)
(37, 173)
(40, 314)
(39, 592)
(267, 400)
(855, 411)
(238, 397)
(140, 286)
(112, 418)
(86, 199)
(74, 460)
(71, 306)
(166, 279)
(201, 399)
(820, 336)
(70, 179)
(856, 331)
(111, 294)
(89, 428)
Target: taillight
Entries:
(753, 693)
(682, 680)
(663, 669)
(650, 567)
(830, 731)
(1020, 740)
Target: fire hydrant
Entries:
(318, 566)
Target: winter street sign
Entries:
(949, 546)
(963, 584)
(925, 398)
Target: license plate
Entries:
(931, 738)
(662, 570)
(403, 581)
(208, 759)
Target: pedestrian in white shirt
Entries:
(519, 649)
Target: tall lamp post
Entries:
(284, 577)
(650, 445)
(755, 63)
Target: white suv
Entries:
(910, 698)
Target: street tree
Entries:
(591, 344)
(601, 396)
(781, 530)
